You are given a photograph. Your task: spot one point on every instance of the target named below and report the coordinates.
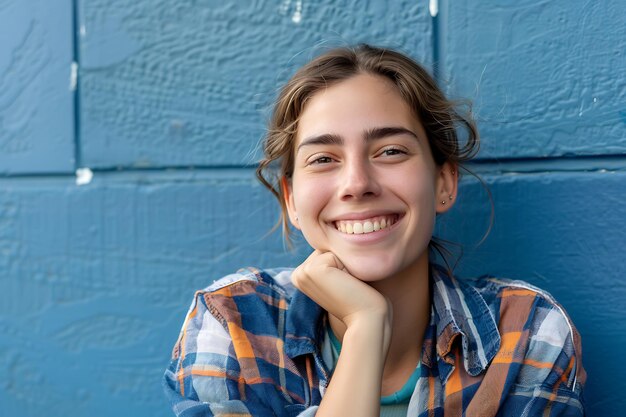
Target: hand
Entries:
(326, 281)
(356, 382)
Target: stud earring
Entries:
(443, 201)
(450, 197)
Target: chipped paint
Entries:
(83, 176)
(433, 7)
(285, 6)
(297, 14)
(73, 75)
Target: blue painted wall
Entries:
(165, 103)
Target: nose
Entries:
(358, 180)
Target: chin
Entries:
(369, 270)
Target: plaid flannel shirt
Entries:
(252, 345)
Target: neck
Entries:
(409, 294)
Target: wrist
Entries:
(376, 316)
(372, 330)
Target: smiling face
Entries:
(364, 183)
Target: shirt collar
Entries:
(458, 309)
(303, 325)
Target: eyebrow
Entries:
(369, 136)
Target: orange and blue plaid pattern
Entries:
(252, 345)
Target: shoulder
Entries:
(534, 327)
(246, 289)
(519, 305)
(280, 278)
(240, 291)
(235, 301)
(229, 324)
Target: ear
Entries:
(289, 203)
(446, 187)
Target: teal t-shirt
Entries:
(394, 405)
(394, 410)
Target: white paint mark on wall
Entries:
(595, 99)
(73, 75)
(83, 176)
(433, 7)
(285, 6)
(297, 15)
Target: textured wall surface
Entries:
(166, 107)
(155, 78)
(96, 278)
(546, 79)
(36, 87)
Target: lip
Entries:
(365, 215)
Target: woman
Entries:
(368, 325)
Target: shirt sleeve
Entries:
(203, 378)
(551, 378)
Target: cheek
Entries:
(308, 211)
(422, 200)
(420, 188)
(424, 212)
(309, 199)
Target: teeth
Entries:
(365, 226)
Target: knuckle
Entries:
(296, 277)
(300, 276)
(308, 270)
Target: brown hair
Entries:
(439, 116)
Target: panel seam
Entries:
(76, 82)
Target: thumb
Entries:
(338, 264)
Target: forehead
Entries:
(351, 106)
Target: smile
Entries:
(371, 225)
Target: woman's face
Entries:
(364, 184)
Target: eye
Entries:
(320, 160)
(392, 151)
